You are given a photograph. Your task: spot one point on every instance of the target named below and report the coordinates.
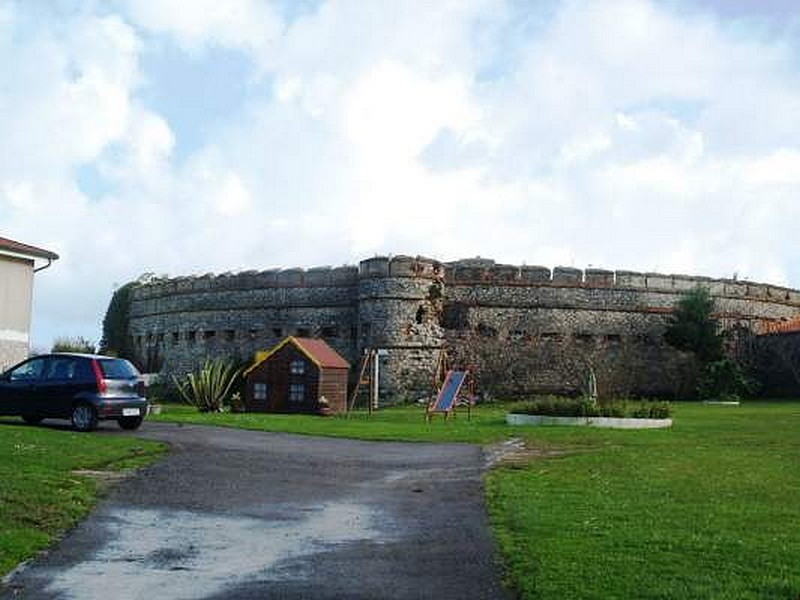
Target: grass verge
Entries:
(707, 509)
(40, 493)
(404, 423)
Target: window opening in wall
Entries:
(277, 332)
(455, 316)
(259, 391)
(297, 392)
(614, 338)
(209, 334)
(191, 337)
(550, 336)
(420, 316)
(176, 337)
(230, 335)
(517, 335)
(486, 330)
(330, 332)
(365, 329)
(303, 332)
(160, 338)
(583, 337)
(297, 367)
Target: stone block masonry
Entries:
(523, 330)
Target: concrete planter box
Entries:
(610, 422)
(722, 402)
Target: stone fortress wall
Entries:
(522, 329)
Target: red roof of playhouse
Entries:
(317, 351)
(8, 245)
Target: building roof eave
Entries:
(16, 249)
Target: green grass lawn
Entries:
(40, 494)
(401, 423)
(707, 509)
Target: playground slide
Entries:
(449, 392)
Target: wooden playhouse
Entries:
(293, 377)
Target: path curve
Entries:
(240, 514)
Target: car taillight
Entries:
(98, 376)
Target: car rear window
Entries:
(115, 368)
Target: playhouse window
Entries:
(297, 392)
(297, 367)
(259, 391)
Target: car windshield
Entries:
(114, 368)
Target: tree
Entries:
(73, 344)
(693, 327)
(116, 338)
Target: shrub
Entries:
(660, 410)
(724, 379)
(73, 344)
(208, 387)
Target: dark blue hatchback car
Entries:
(84, 388)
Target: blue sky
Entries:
(181, 137)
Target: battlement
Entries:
(346, 276)
(487, 272)
(475, 271)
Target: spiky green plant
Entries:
(208, 387)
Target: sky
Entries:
(182, 137)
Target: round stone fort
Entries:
(521, 329)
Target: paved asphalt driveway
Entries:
(240, 514)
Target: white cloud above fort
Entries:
(186, 137)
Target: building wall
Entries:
(16, 289)
(522, 329)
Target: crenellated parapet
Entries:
(486, 272)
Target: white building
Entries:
(18, 263)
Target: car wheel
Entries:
(130, 423)
(32, 419)
(84, 417)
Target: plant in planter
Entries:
(324, 407)
(237, 404)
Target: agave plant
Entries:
(208, 387)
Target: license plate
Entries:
(131, 412)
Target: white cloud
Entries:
(196, 24)
(781, 167)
